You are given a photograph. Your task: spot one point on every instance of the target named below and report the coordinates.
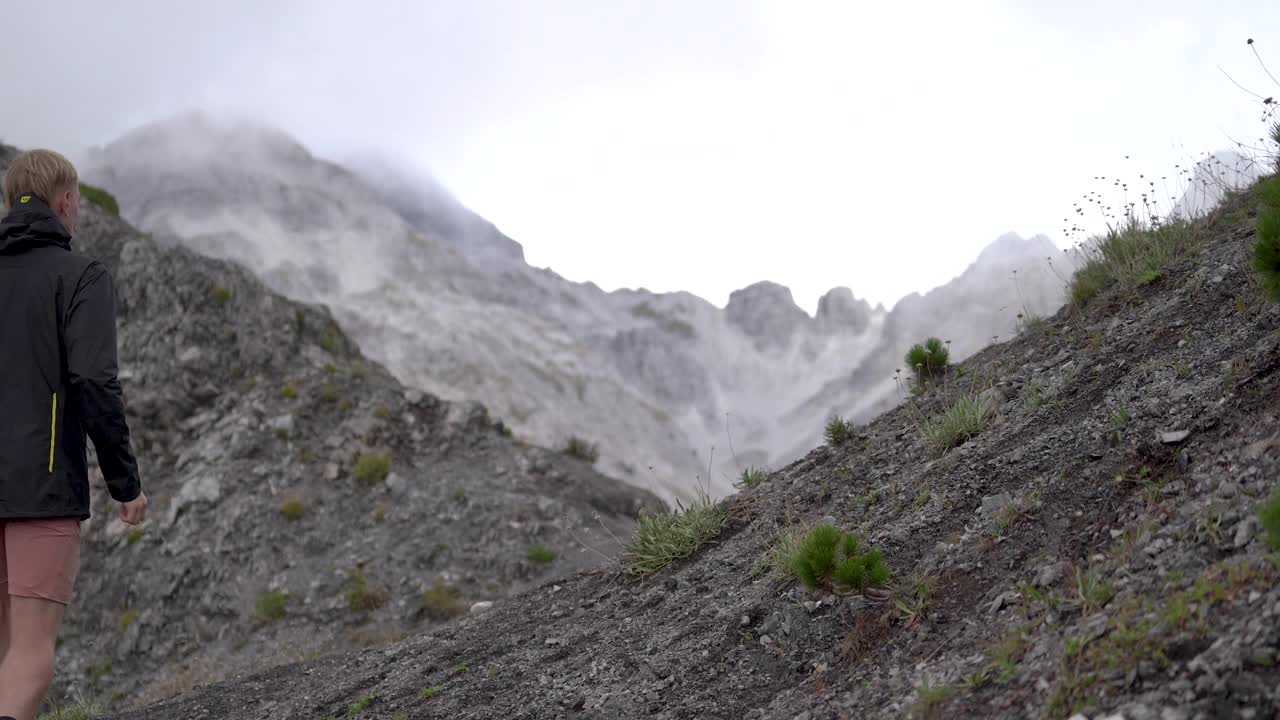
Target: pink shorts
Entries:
(40, 557)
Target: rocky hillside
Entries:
(1093, 552)
(657, 381)
(303, 501)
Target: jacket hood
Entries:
(31, 223)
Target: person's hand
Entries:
(134, 511)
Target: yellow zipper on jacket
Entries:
(53, 431)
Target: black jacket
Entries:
(57, 372)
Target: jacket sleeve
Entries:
(95, 392)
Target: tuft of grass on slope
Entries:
(662, 538)
(79, 709)
(1266, 249)
(1269, 517)
(1134, 253)
(962, 420)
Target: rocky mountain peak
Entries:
(839, 309)
(765, 311)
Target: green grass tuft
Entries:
(541, 555)
(270, 605)
(442, 601)
(427, 693)
(752, 476)
(293, 509)
(372, 467)
(962, 420)
(79, 709)
(1269, 517)
(361, 597)
(662, 538)
(578, 448)
(1134, 253)
(1266, 249)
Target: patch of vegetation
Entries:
(1132, 253)
(776, 559)
(442, 601)
(961, 420)
(293, 509)
(379, 515)
(289, 391)
(331, 341)
(576, 447)
(928, 698)
(541, 555)
(330, 392)
(79, 709)
(270, 605)
(381, 412)
(829, 557)
(372, 467)
(458, 495)
(427, 693)
(361, 597)
(361, 704)
(221, 295)
(135, 534)
(662, 538)
(127, 619)
(751, 477)
(928, 360)
(1266, 249)
(1093, 589)
(839, 431)
(1269, 518)
(1006, 656)
(100, 197)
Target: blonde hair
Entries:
(43, 173)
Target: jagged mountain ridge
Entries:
(658, 381)
(250, 414)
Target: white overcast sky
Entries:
(696, 145)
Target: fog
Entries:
(692, 146)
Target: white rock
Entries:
(481, 606)
(1174, 437)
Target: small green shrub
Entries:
(1269, 518)
(289, 391)
(442, 601)
(100, 197)
(961, 420)
(381, 412)
(221, 295)
(270, 605)
(361, 597)
(578, 448)
(362, 704)
(662, 538)
(839, 431)
(293, 509)
(928, 360)
(427, 693)
(829, 557)
(135, 534)
(331, 341)
(752, 477)
(127, 619)
(372, 467)
(1266, 249)
(541, 555)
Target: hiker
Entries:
(57, 383)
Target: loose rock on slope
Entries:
(1113, 577)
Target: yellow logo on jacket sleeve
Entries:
(24, 199)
